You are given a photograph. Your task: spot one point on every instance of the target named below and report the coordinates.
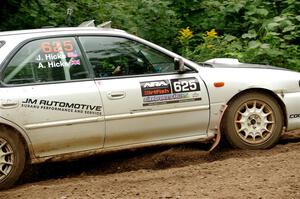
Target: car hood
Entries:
(244, 76)
(241, 65)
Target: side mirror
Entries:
(179, 65)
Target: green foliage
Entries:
(265, 32)
(156, 21)
(146, 18)
(259, 31)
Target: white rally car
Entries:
(70, 92)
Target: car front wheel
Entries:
(253, 121)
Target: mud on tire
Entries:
(253, 121)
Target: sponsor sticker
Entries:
(43, 104)
(151, 88)
(294, 116)
(170, 91)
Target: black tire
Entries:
(12, 157)
(253, 121)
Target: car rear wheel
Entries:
(12, 157)
(253, 121)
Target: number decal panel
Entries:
(185, 85)
(57, 46)
(170, 91)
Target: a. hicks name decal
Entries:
(62, 106)
(170, 91)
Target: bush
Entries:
(263, 32)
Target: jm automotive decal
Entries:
(170, 91)
(62, 106)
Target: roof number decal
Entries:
(55, 54)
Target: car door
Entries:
(145, 100)
(49, 93)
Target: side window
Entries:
(113, 56)
(46, 60)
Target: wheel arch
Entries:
(263, 91)
(24, 139)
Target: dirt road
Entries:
(183, 171)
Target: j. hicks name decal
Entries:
(170, 91)
(62, 106)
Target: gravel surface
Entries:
(181, 171)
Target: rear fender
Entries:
(21, 133)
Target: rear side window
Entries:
(46, 60)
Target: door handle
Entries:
(113, 95)
(9, 104)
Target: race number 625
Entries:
(57, 46)
(185, 85)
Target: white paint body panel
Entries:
(54, 132)
(125, 122)
(129, 122)
(283, 83)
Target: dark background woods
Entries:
(256, 31)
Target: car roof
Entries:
(11, 39)
(57, 30)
